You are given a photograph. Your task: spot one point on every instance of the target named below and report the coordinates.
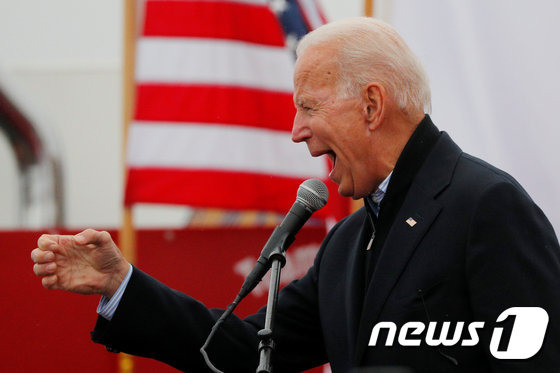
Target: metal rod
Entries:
(266, 345)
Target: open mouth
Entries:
(332, 158)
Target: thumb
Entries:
(91, 236)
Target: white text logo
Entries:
(526, 339)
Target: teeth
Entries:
(332, 157)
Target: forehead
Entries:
(315, 69)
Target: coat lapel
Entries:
(421, 205)
(354, 294)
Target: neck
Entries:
(391, 140)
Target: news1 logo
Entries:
(527, 334)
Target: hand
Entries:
(87, 263)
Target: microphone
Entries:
(312, 195)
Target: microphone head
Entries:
(313, 194)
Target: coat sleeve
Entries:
(155, 321)
(513, 260)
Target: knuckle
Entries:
(40, 256)
(45, 241)
(41, 239)
(49, 282)
(44, 269)
(46, 282)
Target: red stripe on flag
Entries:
(215, 104)
(213, 19)
(221, 189)
(204, 188)
(321, 13)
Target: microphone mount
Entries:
(312, 195)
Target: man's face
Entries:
(332, 125)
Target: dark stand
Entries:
(266, 344)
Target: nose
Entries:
(300, 130)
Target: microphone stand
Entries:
(312, 195)
(266, 344)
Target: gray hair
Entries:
(370, 50)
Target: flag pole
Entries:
(368, 8)
(127, 233)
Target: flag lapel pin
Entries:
(411, 222)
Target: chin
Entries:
(346, 191)
(352, 192)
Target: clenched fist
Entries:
(87, 263)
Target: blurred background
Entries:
(69, 80)
(493, 67)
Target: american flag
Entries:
(214, 108)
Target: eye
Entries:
(305, 107)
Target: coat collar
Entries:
(421, 204)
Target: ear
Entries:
(375, 98)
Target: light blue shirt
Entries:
(108, 306)
(379, 194)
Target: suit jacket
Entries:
(479, 246)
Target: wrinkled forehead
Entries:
(316, 68)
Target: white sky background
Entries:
(493, 67)
(494, 71)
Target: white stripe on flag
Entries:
(252, 2)
(311, 13)
(212, 61)
(220, 147)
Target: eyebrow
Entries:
(303, 100)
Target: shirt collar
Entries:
(378, 195)
(410, 160)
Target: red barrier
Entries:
(48, 331)
(43, 331)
